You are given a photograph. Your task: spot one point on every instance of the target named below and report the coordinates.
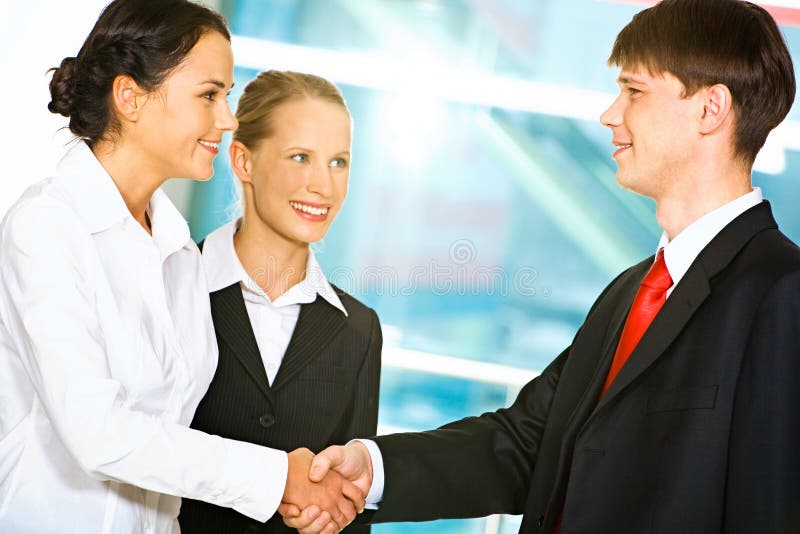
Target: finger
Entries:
(339, 517)
(320, 524)
(289, 510)
(348, 511)
(324, 461)
(306, 518)
(354, 495)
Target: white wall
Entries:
(34, 36)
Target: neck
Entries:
(273, 262)
(135, 184)
(702, 192)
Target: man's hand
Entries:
(353, 463)
(328, 501)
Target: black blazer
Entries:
(325, 392)
(699, 433)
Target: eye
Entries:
(338, 163)
(300, 158)
(210, 95)
(633, 91)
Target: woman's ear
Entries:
(241, 161)
(128, 98)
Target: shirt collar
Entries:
(170, 231)
(100, 205)
(90, 189)
(680, 253)
(224, 269)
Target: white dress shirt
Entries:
(273, 322)
(106, 348)
(679, 254)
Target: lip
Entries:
(622, 146)
(620, 151)
(213, 149)
(313, 217)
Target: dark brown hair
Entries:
(144, 39)
(706, 42)
(267, 91)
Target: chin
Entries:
(625, 181)
(307, 238)
(205, 175)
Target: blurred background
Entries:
(483, 216)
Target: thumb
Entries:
(323, 462)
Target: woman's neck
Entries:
(133, 181)
(272, 261)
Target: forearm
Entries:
(470, 468)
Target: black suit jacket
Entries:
(325, 392)
(699, 433)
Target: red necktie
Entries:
(651, 296)
(648, 300)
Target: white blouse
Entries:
(273, 322)
(106, 348)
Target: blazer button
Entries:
(266, 420)
(540, 521)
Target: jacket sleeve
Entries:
(473, 467)
(470, 468)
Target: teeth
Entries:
(209, 144)
(309, 209)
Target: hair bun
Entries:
(62, 87)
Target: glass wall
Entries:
(483, 216)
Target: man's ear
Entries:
(241, 161)
(128, 98)
(717, 108)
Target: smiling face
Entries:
(181, 124)
(297, 178)
(655, 130)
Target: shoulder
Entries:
(42, 217)
(357, 311)
(622, 285)
(767, 259)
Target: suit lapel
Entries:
(670, 321)
(317, 325)
(595, 375)
(233, 326)
(693, 289)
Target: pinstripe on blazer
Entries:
(325, 392)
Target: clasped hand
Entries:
(324, 492)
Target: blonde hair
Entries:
(268, 91)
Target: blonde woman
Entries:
(299, 358)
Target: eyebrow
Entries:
(218, 83)
(312, 151)
(627, 80)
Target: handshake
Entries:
(324, 493)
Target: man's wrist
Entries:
(375, 494)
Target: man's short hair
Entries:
(706, 42)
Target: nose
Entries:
(613, 115)
(225, 119)
(320, 180)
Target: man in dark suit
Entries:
(674, 409)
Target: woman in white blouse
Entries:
(106, 339)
